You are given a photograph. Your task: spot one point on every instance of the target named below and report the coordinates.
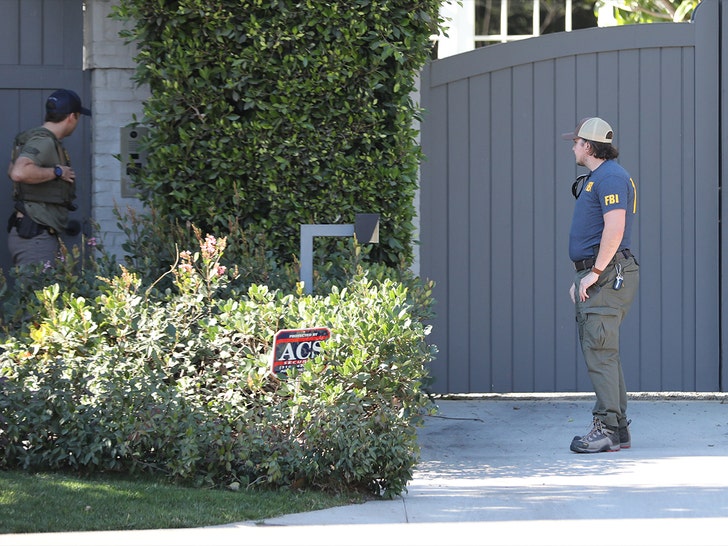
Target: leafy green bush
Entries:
(269, 114)
(178, 382)
(153, 242)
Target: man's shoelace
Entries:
(597, 428)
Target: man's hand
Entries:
(586, 281)
(68, 174)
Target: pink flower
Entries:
(208, 247)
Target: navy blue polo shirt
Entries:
(608, 187)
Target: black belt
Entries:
(588, 263)
(15, 220)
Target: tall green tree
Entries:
(650, 11)
(269, 114)
(584, 14)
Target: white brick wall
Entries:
(115, 100)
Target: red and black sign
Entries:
(294, 347)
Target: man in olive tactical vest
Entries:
(43, 182)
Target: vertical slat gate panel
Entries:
(671, 205)
(433, 211)
(10, 31)
(524, 267)
(546, 247)
(55, 19)
(709, 137)
(608, 98)
(501, 234)
(687, 151)
(651, 255)
(629, 145)
(458, 236)
(565, 117)
(481, 255)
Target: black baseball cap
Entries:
(65, 101)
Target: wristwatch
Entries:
(58, 171)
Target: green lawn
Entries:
(48, 502)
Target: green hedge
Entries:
(273, 113)
(177, 382)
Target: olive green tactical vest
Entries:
(54, 191)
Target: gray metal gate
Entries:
(496, 204)
(42, 51)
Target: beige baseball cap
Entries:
(595, 129)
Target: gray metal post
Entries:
(308, 232)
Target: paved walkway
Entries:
(498, 470)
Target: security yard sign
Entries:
(292, 348)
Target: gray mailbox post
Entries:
(365, 227)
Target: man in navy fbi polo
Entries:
(607, 276)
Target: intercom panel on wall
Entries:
(133, 158)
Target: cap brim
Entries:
(85, 111)
(569, 136)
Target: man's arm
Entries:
(614, 224)
(24, 170)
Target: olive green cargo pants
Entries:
(599, 319)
